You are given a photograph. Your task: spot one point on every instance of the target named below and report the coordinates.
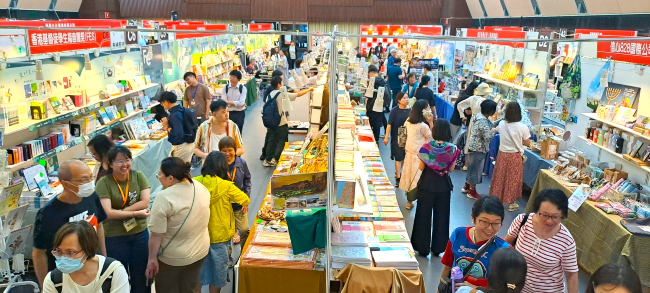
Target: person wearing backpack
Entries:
(275, 120)
(376, 118)
(181, 125)
(78, 268)
(235, 97)
(267, 91)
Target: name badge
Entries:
(130, 224)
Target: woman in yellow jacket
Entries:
(221, 226)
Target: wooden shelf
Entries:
(631, 131)
(613, 153)
(506, 83)
(95, 103)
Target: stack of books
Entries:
(400, 257)
(366, 228)
(343, 255)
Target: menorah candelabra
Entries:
(611, 94)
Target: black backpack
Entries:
(190, 125)
(271, 116)
(240, 87)
(57, 277)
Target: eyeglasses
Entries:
(82, 180)
(549, 217)
(71, 254)
(485, 224)
(125, 162)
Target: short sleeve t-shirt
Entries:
(169, 211)
(56, 214)
(396, 119)
(512, 131)
(107, 187)
(461, 250)
(393, 72)
(547, 259)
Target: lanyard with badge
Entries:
(232, 177)
(131, 223)
(193, 94)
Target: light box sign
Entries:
(195, 27)
(487, 34)
(435, 30)
(504, 28)
(259, 27)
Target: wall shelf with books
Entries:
(76, 141)
(95, 102)
(509, 84)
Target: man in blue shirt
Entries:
(174, 126)
(395, 75)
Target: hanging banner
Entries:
(195, 27)
(487, 34)
(131, 37)
(44, 41)
(259, 27)
(604, 33)
(435, 30)
(504, 28)
(637, 52)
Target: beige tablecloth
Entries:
(600, 238)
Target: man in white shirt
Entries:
(427, 70)
(235, 95)
(292, 54)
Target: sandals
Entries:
(409, 205)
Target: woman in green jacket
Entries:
(221, 227)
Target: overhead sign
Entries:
(434, 30)
(487, 34)
(47, 41)
(637, 52)
(504, 28)
(164, 36)
(604, 33)
(175, 25)
(131, 37)
(546, 34)
(258, 27)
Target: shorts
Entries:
(215, 268)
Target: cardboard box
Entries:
(613, 175)
(550, 148)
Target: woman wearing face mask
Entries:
(78, 268)
(98, 147)
(614, 278)
(124, 194)
(464, 242)
(179, 240)
(547, 245)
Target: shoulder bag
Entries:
(401, 136)
(521, 152)
(412, 194)
(514, 243)
(182, 224)
(445, 285)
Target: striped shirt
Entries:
(547, 259)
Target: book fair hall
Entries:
(469, 146)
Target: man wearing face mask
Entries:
(77, 202)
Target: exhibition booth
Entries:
(330, 202)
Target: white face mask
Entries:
(85, 190)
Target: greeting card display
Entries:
(299, 191)
(620, 95)
(16, 241)
(14, 220)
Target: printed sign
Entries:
(487, 34)
(131, 37)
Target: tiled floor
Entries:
(253, 136)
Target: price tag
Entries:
(578, 197)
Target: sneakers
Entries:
(485, 174)
(397, 182)
(409, 205)
(513, 207)
(465, 188)
(472, 194)
(464, 168)
(272, 163)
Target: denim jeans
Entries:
(133, 252)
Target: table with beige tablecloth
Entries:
(600, 238)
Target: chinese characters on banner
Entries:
(488, 34)
(628, 51)
(41, 42)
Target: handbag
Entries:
(521, 152)
(401, 136)
(412, 194)
(445, 285)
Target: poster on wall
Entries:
(12, 46)
(152, 59)
(620, 95)
(470, 54)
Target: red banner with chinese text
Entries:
(195, 27)
(637, 52)
(47, 41)
(259, 27)
(604, 33)
(424, 30)
(504, 28)
(487, 34)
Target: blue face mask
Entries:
(69, 265)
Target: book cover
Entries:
(10, 197)
(67, 103)
(349, 239)
(14, 220)
(56, 105)
(16, 241)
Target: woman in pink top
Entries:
(547, 245)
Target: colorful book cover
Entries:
(10, 197)
(14, 220)
(17, 241)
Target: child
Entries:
(239, 174)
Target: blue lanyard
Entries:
(194, 93)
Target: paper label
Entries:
(578, 197)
